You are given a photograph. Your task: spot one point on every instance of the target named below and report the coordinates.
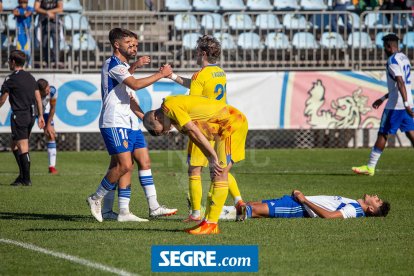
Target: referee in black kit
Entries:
(25, 102)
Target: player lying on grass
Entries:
(299, 206)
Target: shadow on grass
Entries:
(33, 216)
(103, 229)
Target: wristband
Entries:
(174, 76)
(406, 104)
(383, 98)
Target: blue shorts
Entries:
(392, 120)
(137, 139)
(117, 139)
(46, 117)
(285, 207)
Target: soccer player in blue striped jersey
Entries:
(141, 156)
(398, 113)
(114, 121)
(297, 205)
(49, 97)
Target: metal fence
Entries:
(271, 41)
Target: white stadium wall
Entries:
(270, 100)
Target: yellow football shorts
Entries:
(233, 148)
(195, 157)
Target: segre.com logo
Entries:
(183, 258)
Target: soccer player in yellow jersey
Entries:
(205, 120)
(210, 82)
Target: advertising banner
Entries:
(270, 100)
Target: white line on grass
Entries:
(68, 257)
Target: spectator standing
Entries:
(50, 25)
(24, 98)
(23, 14)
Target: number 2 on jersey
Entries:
(407, 74)
(221, 90)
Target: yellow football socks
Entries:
(216, 199)
(234, 188)
(196, 192)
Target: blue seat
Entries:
(190, 41)
(9, 5)
(374, 20)
(360, 40)
(286, 5)
(249, 41)
(72, 6)
(259, 5)
(178, 5)
(293, 21)
(304, 40)
(83, 42)
(268, 21)
(240, 21)
(232, 5)
(313, 5)
(332, 40)
(75, 22)
(277, 41)
(213, 21)
(186, 22)
(205, 5)
(400, 21)
(226, 41)
(408, 40)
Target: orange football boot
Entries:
(204, 228)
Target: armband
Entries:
(406, 104)
(174, 76)
(383, 98)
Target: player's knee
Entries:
(125, 168)
(144, 164)
(192, 170)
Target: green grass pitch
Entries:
(52, 214)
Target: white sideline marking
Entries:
(68, 257)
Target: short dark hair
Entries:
(383, 209)
(390, 37)
(148, 124)
(211, 46)
(119, 33)
(19, 57)
(42, 84)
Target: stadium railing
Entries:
(300, 40)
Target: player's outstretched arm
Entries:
(180, 80)
(321, 212)
(137, 84)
